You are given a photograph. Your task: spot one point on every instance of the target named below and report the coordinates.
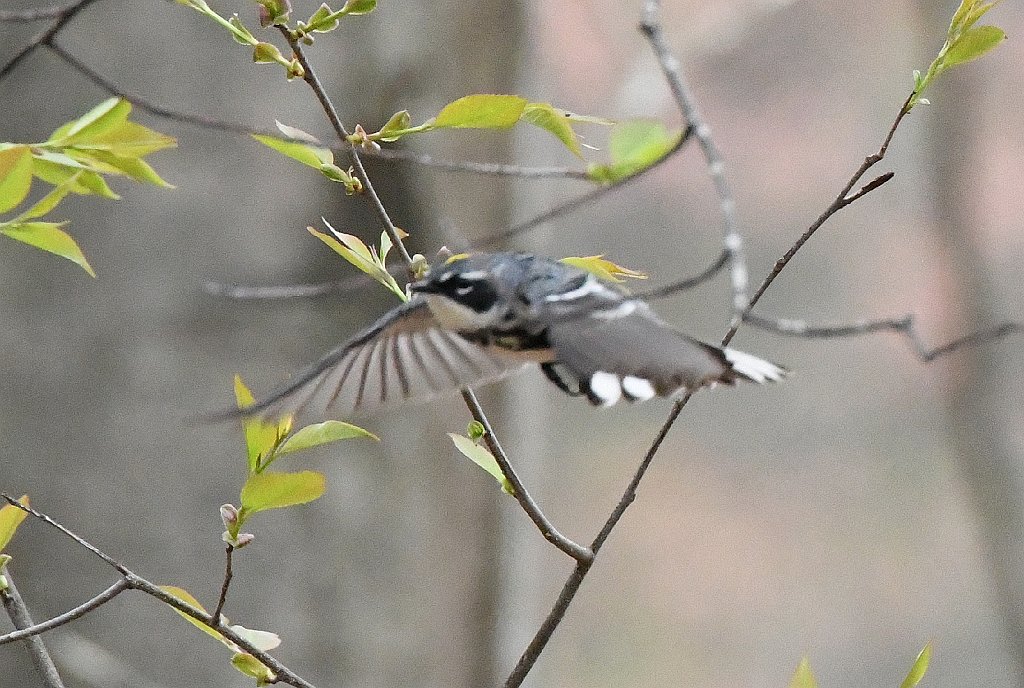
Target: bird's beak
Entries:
(422, 287)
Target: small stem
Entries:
(21, 619)
(311, 78)
(228, 550)
(81, 610)
(522, 495)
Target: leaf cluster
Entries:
(75, 159)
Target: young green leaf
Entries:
(550, 118)
(603, 268)
(272, 490)
(634, 146)
(973, 44)
(802, 677)
(400, 121)
(10, 518)
(261, 437)
(266, 53)
(481, 111)
(313, 156)
(322, 433)
(47, 202)
(133, 167)
(187, 598)
(358, 7)
(15, 176)
(253, 668)
(101, 118)
(920, 667)
(49, 237)
(479, 455)
(352, 249)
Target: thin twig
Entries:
(479, 168)
(21, 619)
(81, 610)
(688, 282)
(842, 200)
(904, 325)
(310, 77)
(35, 14)
(580, 201)
(46, 36)
(228, 550)
(547, 529)
(135, 582)
(651, 28)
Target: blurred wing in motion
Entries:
(403, 356)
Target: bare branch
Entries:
(688, 282)
(45, 37)
(580, 201)
(35, 14)
(547, 529)
(81, 610)
(136, 582)
(313, 81)
(651, 28)
(903, 325)
(841, 201)
(21, 619)
(480, 168)
(229, 550)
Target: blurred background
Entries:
(868, 505)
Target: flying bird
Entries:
(482, 316)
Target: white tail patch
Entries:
(637, 388)
(606, 387)
(754, 368)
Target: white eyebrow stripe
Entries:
(589, 286)
(472, 275)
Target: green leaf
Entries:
(972, 44)
(10, 518)
(253, 668)
(352, 249)
(313, 156)
(917, 671)
(603, 268)
(136, 168)
(634, 146)
(296, 133)
(266, 53)
(481, 111)
(47, 202)
(322, 433)
(399, 121)
(272, 490)
(101, 118)
(802, 677)
(187, 598)
(323, 20)
(261, 436)
(49, 237)
(127, 139)
(241, 34)
(554, 120)
(358, 7)
(15, 176)
(479, 455)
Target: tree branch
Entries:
(21, 619)
(229, 550)
(81, 610)
(35, 14)
(547, 529)
(136, 582)
(903, 325)
(63, 17)
(651, 28)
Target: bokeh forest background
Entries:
(863, 507)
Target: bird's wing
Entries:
(626, 352)
(403, 356)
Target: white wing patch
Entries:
(606, 387)
(637, 388)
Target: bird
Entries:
(479, 317)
